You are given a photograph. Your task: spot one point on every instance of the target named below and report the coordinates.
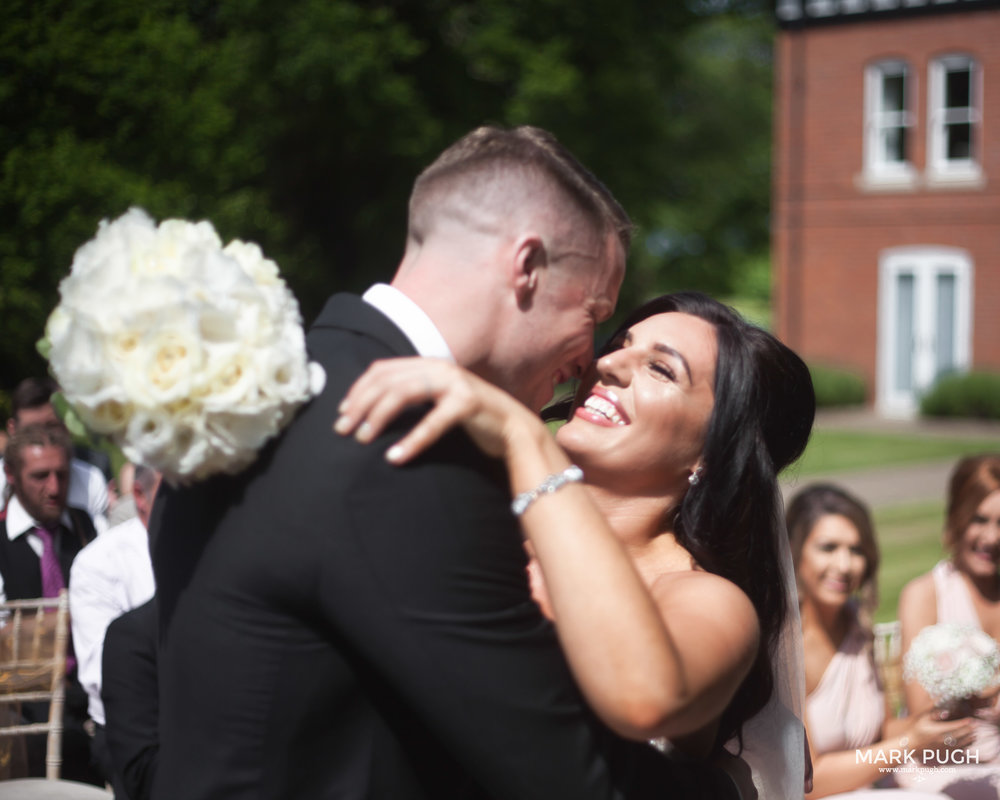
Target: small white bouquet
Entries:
(187, 354)
(952, 662)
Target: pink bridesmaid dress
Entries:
(972, 781)
(846, 710)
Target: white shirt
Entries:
(87, 490)
(111, 575)
(411, 319)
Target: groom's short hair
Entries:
(492, 161)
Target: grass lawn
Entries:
(909, 538)
(835, 450)
(909, 535)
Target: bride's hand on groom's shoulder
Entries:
(389, 386)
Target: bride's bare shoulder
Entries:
(705, 598)
(712, 623)
(704, 584)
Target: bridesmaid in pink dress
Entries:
(964, 589)
(853, 736)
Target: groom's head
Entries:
(516, 251)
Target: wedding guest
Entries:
(31, 403)
(111, 575)
(131, 700)
(836, 566)
(663, 568)
(124, 507)
(329, 625)
(40, 535)
(964, 589)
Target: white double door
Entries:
(924, 323)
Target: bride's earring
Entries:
(695, 476)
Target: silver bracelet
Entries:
(571, 474)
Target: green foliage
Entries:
(105, 105)
(300, 124)
(754, 310)
(708, 228)
(837, 387)
(971, 394)
(752, 290)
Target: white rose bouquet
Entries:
(952, 662)
(187, 354)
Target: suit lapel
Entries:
(349, 312)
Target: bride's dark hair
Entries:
(731, 519)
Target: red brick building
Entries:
(886, 209)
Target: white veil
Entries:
(774, 739)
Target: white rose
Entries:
(284, 373)
(254, 325)
(280, 301)
(110, 256)
(181, 249)
(78, 355)
(166, 366)
(189, 354)
(219, 280)
(123, 345)
(248, 255)
(194, 452)
(245, 432)
(231, 379)
(109, 414)
(150, 438)
(218, 326)
(207, 454)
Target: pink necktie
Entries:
(52, 580)
(52, 577)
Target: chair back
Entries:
(889, 660)
(33, 644)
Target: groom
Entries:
(336, 627)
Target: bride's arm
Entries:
(651, 663)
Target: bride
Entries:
(652, 521)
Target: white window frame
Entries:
(940, 168)
(879, 170)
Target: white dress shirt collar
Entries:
(20, 522)
(411, 319)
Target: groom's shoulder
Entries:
(347, 336)
(340, 308)
(345, 311)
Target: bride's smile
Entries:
(602, 408)
(644, 406)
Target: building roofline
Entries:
(792, 14)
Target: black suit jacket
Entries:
(336, 627)
(19, 564)
(131, 700)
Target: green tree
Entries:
(105, 105)
(300, 124)
(708, 227)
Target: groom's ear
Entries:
(529, 256)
